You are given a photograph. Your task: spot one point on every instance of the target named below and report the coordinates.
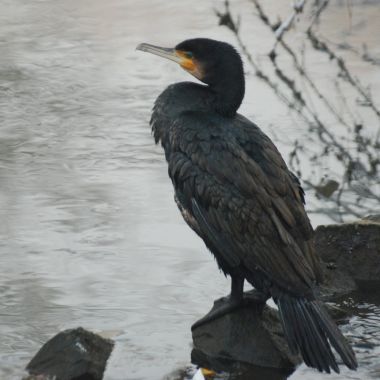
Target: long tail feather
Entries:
(309, 330)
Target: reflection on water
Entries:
(90, 235)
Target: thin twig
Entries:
(318, 44)
(297, 8)
(331, 143)
(318, 13)
(298, 66)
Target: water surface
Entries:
(90, 235)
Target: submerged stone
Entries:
(74, 354)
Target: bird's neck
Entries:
(228, 94)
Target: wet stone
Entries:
(227, 369)
(74, 354)
(351, 254)
(336, 283)
(250, 335)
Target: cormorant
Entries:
(235, 191)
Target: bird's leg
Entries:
(224, 305)
(237, 286)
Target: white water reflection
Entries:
(90, 235)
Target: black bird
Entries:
(235, 191)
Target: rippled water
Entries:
(90, 235)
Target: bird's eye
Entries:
(188, 54)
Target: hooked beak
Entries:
(178, 56)
(167, 53)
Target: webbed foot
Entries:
(226, 305)
(221, 307)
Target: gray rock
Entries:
(253, 336)
(228, 369)
(371, 218)
(351, 250)
(336, 283)
(339, 313)
(250, 335)
(71, 355)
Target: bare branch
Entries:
(318, 44)
(297, 8)
(318, 13)
(357, 154)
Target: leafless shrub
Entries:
(350, 138)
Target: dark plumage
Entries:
(235, 191)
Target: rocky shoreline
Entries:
(250, 337)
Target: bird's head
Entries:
(208, 60)
(215, 63)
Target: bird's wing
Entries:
(237, 203)
(261, 149)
